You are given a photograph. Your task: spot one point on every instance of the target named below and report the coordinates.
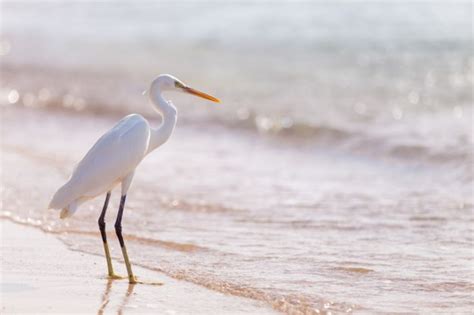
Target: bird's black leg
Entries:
(104, 238)
(118, 231)
(102, 218)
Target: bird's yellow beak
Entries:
(200, 94)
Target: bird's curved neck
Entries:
(169, 116)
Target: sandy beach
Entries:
(40, 275)
(164, 232)
(335, 176)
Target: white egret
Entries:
(113, 159)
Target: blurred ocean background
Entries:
(335, 176)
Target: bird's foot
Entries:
(134, 280)
(113, 276)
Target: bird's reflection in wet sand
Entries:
(106, 299)
(124, 303)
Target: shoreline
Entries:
(31, 271)
(190, 221)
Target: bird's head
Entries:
(167, 82)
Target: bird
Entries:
(112, 160)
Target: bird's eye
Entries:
(178, 84)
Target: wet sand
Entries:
(41, 275)
(335, 177)
(328, 243)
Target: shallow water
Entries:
(336, 175)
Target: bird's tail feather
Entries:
(61, 198)
(69, 210)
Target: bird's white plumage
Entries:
(113, 158)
